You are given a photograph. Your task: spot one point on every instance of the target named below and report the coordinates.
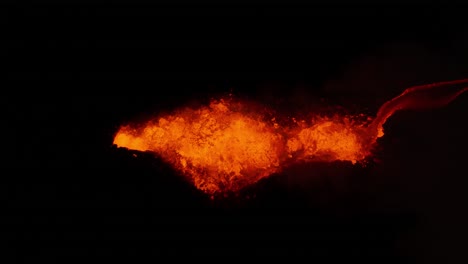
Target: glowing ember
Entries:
(224, 147)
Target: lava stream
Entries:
(225, 146)
(418, 98)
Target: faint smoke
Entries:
(386, 71)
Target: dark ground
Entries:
(67, 192)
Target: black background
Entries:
(76, 72)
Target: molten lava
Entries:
(225, 147)
(218, 146)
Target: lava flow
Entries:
(225, 146)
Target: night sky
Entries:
(76, 72)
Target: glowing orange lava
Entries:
(328, 139)
(225, 147)
(219, 147)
